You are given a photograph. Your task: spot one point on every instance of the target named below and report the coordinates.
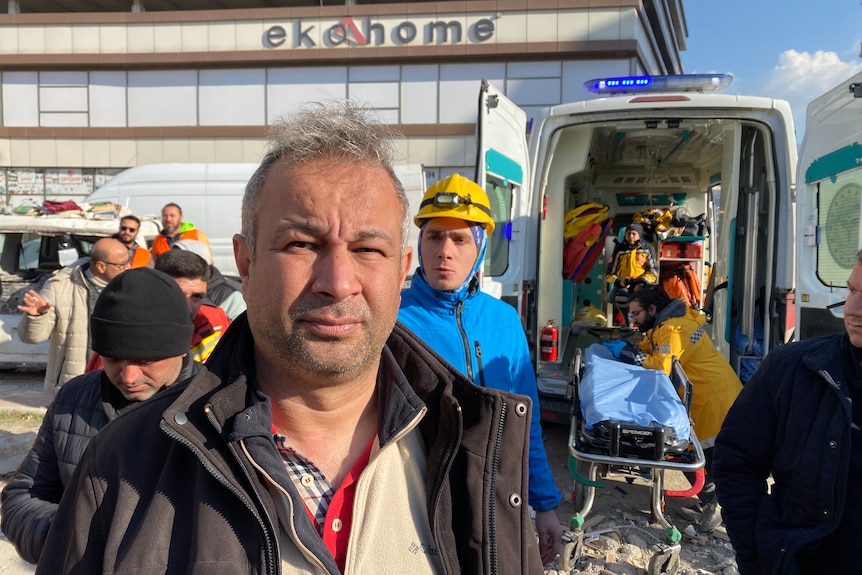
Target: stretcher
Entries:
(632, 422)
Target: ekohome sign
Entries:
(363, 32)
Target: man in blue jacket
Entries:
(799, 419)
(478, 334)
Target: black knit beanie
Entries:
(141, 314)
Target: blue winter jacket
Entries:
(483, 338)
(791, 419)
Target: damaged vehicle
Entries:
(32, 248)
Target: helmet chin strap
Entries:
(481, 239)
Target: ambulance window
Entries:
(497, 256)
(839, 202)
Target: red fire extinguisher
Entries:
(550, 341)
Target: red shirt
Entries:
(333, 507)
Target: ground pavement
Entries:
(19, 392)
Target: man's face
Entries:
(116, 263)
(171, 220)
(324, 289)
(139, 379)
(644, 318)
(448, 252)
(853, 307)
(195, 292)
(632, 237)
(128, 231)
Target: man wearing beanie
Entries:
(632, 263)
(477, 333)
(60, 312)
(141, 329)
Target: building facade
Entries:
(85, 94)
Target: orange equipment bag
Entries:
(682, 283)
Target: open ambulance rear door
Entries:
(502, 168)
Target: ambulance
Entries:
(675, 148)
(829, 201)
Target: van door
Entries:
(502, 168)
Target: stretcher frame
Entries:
(666, 558)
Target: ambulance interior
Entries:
(717, 169)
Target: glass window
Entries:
(28, 257)
(497, 256)
(838, 219)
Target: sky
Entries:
(794, 50)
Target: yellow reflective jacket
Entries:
(679, 332)
(633, 262)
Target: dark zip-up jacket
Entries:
(792, 419)
(82, 407)
(201, 495)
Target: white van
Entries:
(210, 196)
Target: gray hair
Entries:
(333, 130)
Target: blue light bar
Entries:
(659, 84)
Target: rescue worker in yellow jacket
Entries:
(632, 264)
(674, 330)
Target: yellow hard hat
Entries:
(456, 197)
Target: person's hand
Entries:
(550, 532)
(34, 304)
(616, 346)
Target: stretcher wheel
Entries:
(571, 551)
(665, 561)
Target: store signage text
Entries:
(362, 32)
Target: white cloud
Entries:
(800, 77)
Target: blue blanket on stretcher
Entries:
(611, 389)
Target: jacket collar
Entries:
(676, 308)
(438, 299)
(243, 411)
(829, 355)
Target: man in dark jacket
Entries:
(141, 328)
(799, 419)
(321, 437)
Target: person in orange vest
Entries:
(191, 273)
(139, 257)
(175, 229)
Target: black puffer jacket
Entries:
(81, 408)
(210, 495)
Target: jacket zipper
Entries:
(479, 360)
(289, 504)
(268, 545)
(492, 506)
(459, 307)
(444, 471)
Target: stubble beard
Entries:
(333, 357)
